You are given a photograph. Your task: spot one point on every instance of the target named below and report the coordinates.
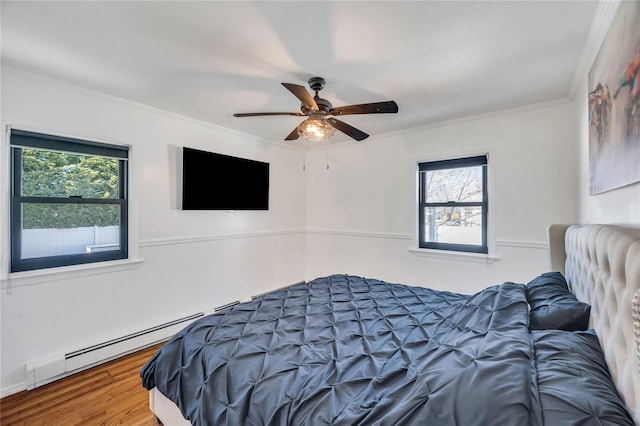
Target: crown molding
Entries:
(139, 106)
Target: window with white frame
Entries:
(453, 204)
(68, 201)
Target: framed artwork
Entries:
(614, 104)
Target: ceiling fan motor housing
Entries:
(323, 104)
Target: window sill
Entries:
(19, 279)
(455, 255)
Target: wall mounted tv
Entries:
(213, 181)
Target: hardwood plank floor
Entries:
(109, 394)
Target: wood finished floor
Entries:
(109, 394)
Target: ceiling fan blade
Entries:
(372, 108)
(257, 114)
(347, 129)
(301, 93)
(293, 135)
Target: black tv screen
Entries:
(213, 181)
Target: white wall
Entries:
(361, 211)
(193, 260)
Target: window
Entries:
(452, 205)
(68, 201)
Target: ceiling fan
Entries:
(322, 123)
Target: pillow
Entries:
(553, 306)
(574, 383)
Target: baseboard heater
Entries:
(227, 306)
(47, 370)
(275, 289)
(57, 366)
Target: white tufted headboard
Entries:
(602, 266)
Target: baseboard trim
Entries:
(10, 390)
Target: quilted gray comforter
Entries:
(353, 351)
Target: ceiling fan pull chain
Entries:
(304, 155)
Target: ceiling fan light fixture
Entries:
(315, 129)
(318, 127)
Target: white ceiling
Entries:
(209, 59)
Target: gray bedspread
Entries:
(353, 351)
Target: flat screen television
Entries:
(213, 181)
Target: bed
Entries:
(351, 350)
